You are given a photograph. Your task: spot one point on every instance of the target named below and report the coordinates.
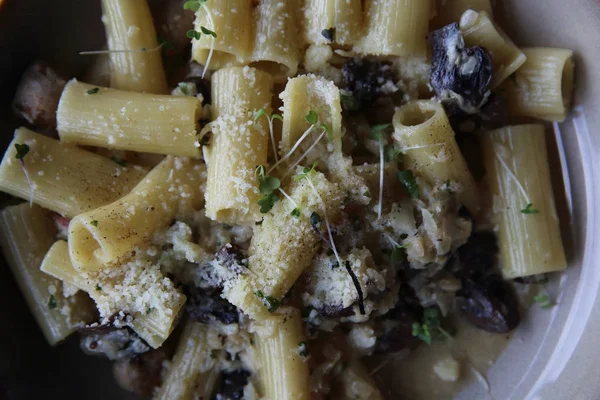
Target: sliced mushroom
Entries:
(479, 255)
(232, 385)
(490, 304)
(206, 306)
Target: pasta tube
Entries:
(190, 372)
(451, 11)
(397, 28)
(283, 246)
(238, 144)
(64, 179)
(342, 18)
(275, 48)
(129, 27)
(426, 138)
(92, 116)
(107, 234)
(136, 289)
(543, 86)
(479, 30)
(26, 234)
(283, 357)
(519, 181)
(232, 23)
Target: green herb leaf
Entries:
(93, 91)
(22, 150)
(407, 179)
(94, 223)
(98, 287)
(312, 117)
(327, 129)
(544, 300)
(430, 326)
(306, 172)
(328, 34)
(192, 34)
(377, 131)
(276, 116)
(268, 184)
(119, 161)
(207, 31)
(259, 114)
(267, 201)
(303, 349)
(295, 213)
(166, 44)
(530, 210)
(391, 154)
(271, 303)
(52, 302)
(193, 5)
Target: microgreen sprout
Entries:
(306, 172)
(378, 133)
(409, 182)
(260, 113)
(271, 303)
(312, 118)
(194, 5)
(430, 326)
(543, 299)
(266, 186)
(530, 210)
(22, 151)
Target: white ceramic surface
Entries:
(554, 354)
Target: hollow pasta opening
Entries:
(567, 82)
(415, 114)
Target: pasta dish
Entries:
(267, 199)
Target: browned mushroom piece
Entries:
(37, 96)
(140, 374)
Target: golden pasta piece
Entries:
(341, 20)
(63, 178)
(426, 138)
(129, 27)
(543, 87)
(523, 207)
(117, 119)
(26, 234)
(450, 11)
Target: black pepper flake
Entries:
(329, 34)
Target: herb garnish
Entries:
(270, 119)
(93, 91)
(271, 303)
(52, 302)
(430, 327)
(409, 182)
(530, 210)
(266, 186)
(98, 287)
(295, 213)
(544, 300)
(94, 223)
(306, 172)
(194, 5)
(329, 34)
(361, 300)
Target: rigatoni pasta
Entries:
(238, 144)
(518, 176)
(450, 11)
(543, 86)
(232, 23)
(26, 234)
(63, 178)
(103, 117)
(479, 30)
(104, 235)
(135, 55)
(426, 138)
(397, 28)
(283, 356)
(341, 19)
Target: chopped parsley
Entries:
(52, 302)
(544, 300)
(93, 91)
(98, 287)
(22, 151)
(119, 161)
(271, 303)
(94, 223)
(295, 213)
(409, 182)
(530, 210)
(303, 349)
(328, 34)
